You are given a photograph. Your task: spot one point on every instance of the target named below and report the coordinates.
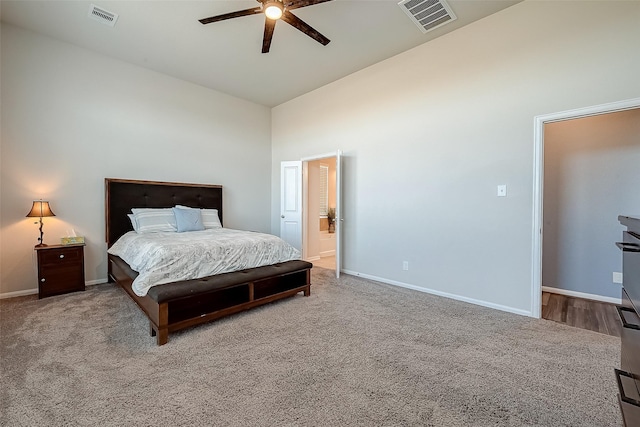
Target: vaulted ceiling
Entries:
(166, 36)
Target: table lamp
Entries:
(40, 209)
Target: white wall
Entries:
(71, 117)
(591, 176)
(429, 134)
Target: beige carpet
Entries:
(353, 353)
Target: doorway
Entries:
(319, 212)
(539, 129)
(303, 218)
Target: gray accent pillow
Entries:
(188, 219)
(210, 217)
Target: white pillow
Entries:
(210, 218)
(133, 222)
(152, 220)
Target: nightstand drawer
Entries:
(61, 255)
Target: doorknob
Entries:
(281, 216)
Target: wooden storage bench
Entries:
(180, 305)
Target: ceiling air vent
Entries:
(428, 14)
(104, 16)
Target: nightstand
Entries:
(60, 269)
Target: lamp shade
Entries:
(40, 209)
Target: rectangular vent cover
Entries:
(428, 14)
(104, 16)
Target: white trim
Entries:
(96, 282)
(536, 251)
(339, 218)
(332, 252)
(312, 258)
(441, 294)
(18, 293)
(538, 181)
(582, 295)
(319, 157)
(305, 207)
(15, 294)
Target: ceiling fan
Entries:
(275, 10)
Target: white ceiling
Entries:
(166, 36)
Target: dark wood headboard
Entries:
(123, 194)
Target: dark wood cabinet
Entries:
(60, 269)
(628, 376)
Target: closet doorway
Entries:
(539, 195)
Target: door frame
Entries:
(538, 183)
(305, 190)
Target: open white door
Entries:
(339, 218)
(291, 203)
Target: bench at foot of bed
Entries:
(174, 306)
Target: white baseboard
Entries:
(18, 293)
(35, 290)
(332, 252)
(442, 294)
(312, 258)
(96, 282)
(582, 295)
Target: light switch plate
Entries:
(502, 190)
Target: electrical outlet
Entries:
(617, 277)
(405, 265)
(502, 190)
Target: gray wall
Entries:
(71, 117)
(428, 135)
(591, 175)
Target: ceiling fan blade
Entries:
(295, 4)
(269, 26)
(298, 23)
(237, 14)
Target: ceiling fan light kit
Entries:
(275, 10)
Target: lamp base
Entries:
(41, 245)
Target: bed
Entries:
(182, 304)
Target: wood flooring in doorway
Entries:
(582, 313)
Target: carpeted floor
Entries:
(353, 353)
